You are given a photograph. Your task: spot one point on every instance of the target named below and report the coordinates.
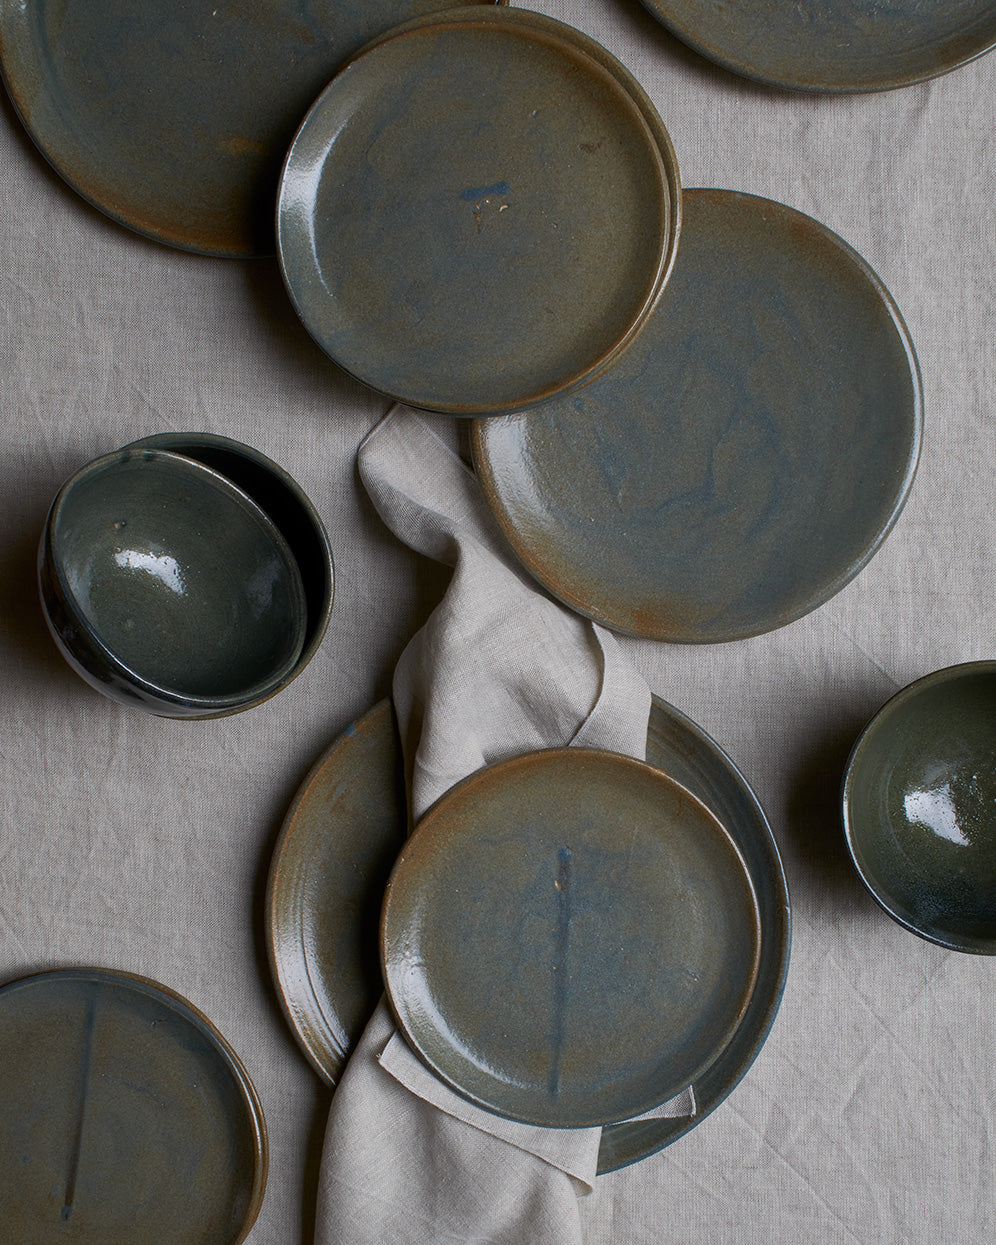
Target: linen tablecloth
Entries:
(144, 844)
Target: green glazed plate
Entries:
(174, 118)
(746, 456)
(836, 45)
(478, 212)
(124, 1116)
(340, 839)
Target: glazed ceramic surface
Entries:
(746, 456)
(168, 588)
(124, 1116)
(284, 502)
(837, 45)
(175, 118)
(569, 938)
(336, 849)
(351, 814)
(478, 212)
(920, 807)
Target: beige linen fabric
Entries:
(498, 669)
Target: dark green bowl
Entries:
(166, 587)
(919, 804)
(283, 501)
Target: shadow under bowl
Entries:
(283, 501)
(166, 587)
(919, 807)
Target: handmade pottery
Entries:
(479, 211)
(919, 803)
(124, 1116)
(746, 456)
(167, 588)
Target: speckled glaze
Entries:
(284, 502)
(351, 811)
(495, 221)
(746, 456)
(919, 803)
(124, 1116)
(836, 45)
(167, 588)
(337, 846)
(174, 118)
(569, 938)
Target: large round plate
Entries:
(478, 212)
(569, 938)
(354, 801)
(746, 456)
(124, 1116)
(837, 45)
(174, 118)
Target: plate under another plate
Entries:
(746, 456)
(348, 823)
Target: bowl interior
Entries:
(179, 576)
(920, 807)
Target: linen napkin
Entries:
(499, 669)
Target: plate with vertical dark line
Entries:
(570, 938)
(124, 1116)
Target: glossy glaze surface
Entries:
(746, 456)
(569, 938)
(920, 807)
(284, 502)
(326, 967)
(337, 846)
(174, 118)
(837, 45)
(124, 1116)
(166, 587)
(478, 212)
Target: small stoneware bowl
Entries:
(284, 502)
(166, 587)
(919, 803)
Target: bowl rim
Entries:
(944, 675)
(148, 690)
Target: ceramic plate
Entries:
(837, 45)
(746, 456)
(478, 212)
(174, 118)
(124, 1116)
(920, 807)
(335, 853)
(569, 938)
(328, 995)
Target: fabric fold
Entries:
(499, 669)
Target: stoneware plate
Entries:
(478, 212)
(124, 1116)
(746, 456)
(837, 45)
(920, 807)
(569, 938)
(174, 118)
(347, 825)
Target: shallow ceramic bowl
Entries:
(919, 803)
(284, 502)
(168, 588)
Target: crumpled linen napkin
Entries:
(499, 669)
